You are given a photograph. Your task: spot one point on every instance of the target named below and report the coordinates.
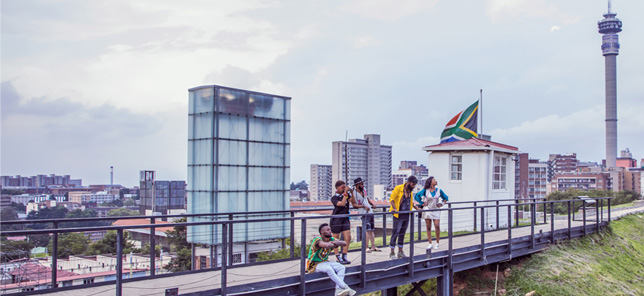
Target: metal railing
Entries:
(414, 266)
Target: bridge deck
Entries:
(209, 282)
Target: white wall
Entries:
(477, 173)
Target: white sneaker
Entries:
(430, 245)
(436, 246)
(347, 292)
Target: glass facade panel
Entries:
(231, 178)
(232, 102)
(202, 126)
(241, 119)
(232, 152)
(232, 127)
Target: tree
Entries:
(122, 212)
(9, 214)
(46, 213)
(70, 244)
(88, 213)
(123, 192)
(12, 250)
(19, 207)
(179, 243)
(107, 245)
(129, 203)
(40, 240)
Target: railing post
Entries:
(230, 240)
(533, 220)
(384, 228)
(475, 218)
(609, 210)
(584, 209)
(54, 257)
(496, 227)
(303, 257)
(569, 222)
(601, 211)
(552, 220)
(363, 255)
(482, 235)
(119, 262)
(516, 215)
(420, 231)
(224, 261)
(292, 235)
(411, 245)
(510, 231)
(597, 213)
(544, 211)
(153, 246)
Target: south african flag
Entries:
(462, 126)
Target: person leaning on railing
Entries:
(318, 260)
(401, 201)
(431, 198)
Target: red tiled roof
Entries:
(142, 221)
(35, 272)
(468, 144)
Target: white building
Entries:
(321, 182)
(474, 170)
(367, 159)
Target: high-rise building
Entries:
(366, 158)
(531, 178)
(238, 161)
(561, 163)
(321, 182)
(609, 27)
(170, 196)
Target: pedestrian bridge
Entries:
(491, 232)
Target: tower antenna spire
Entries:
(609, 5)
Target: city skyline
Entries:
(86, 86)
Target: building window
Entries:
(500, 164)
(456, 167)
(237, 258)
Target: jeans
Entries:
(335, 271)
(400, 228)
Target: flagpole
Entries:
(481, 112)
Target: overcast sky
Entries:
(89, 84)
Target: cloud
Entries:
(388, 10)
(43, 136)
(554, 28)
(364, 41)
(502, 10)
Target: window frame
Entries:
(499, 177)
(459, 172)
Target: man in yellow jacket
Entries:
(401, 200)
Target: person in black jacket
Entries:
(341, 225)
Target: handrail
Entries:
(226, 227)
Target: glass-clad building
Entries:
(238, 160)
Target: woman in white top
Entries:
(431, 198)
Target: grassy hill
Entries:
(608, 263)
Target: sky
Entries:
(89, 84)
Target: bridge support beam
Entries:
(390, 292)
(445, 283)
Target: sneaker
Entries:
(344, 258)
(436, 246)
(401, 255)
(429, 245)
(392, 256)
(347, 292)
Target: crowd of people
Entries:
(402, 202)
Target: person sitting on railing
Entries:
(428, 198)
(364, 206)
(341, 225)
(401, 201)
(318, 260)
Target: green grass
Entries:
(608, 263)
